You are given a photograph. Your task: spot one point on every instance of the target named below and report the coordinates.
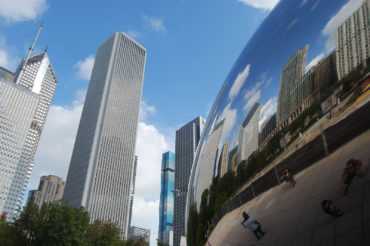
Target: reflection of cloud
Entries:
(336, 20)
(22, 10)
(291, 24)
(315, 5)
(252, 95)
(155, 23)
(303, 3)
(239, 81)
(252, 100)
(267, 110)
(230, 118)
(84, 68)
(260, 4)
(314, 61)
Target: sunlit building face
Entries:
(287, 64)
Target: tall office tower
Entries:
(248, 142)
(35, 76)
(166, 199)
(325, 74)
(187, 138)
(292, 72)
(100, 173)
(353, 40)
(50, 190)
(133, 180)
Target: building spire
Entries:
(28, 56)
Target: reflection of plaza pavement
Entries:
(293, 216)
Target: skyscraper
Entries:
(187, 138)
(353, 40)
(248, 142)
(100, 173)
(24, 105)
(166, 200)
(292, 72)
(133, 180)
(50, 190)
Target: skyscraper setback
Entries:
(187, 138)
(25, 99)
(100, 173)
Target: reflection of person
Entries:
(288, 176)
(329, 207)
(253, 225)
(353, 168)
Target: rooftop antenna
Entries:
(28, 55)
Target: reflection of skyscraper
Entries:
(353, 40)
(268, 126)
(50, 190)
(292, 72)
(100, 173)
(23, 109)
(187, 138)
(167, 192)
(223, 160)
(248, 142)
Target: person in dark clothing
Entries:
(253, 225)
(329, 207)
(288, 176)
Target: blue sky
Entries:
(191, 47)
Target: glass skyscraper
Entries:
(100, 173)
(167, 193)
(25, 99)
(187, 139)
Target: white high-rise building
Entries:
(187, 138)
(100, 173)
(24, 106)
(248, 142)
(353, 40)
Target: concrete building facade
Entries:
(50, 190)
(100, 173)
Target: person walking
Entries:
(253, 225)
(329, 207)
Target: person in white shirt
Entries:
(253, 225)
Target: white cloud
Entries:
(252, 95)
(84, 67)
(57, 140)
(260, 4)
(146, 215)
(155, 23)
(291, 24)
(303, 3)
(133, 34)
(267, 110)
(239, 81)
(150, 145)
(7, 59)
(330, 27)
(314, 61)
(146, 111)
(21, 10)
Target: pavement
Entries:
(294, 216)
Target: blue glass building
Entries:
(167, 192)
